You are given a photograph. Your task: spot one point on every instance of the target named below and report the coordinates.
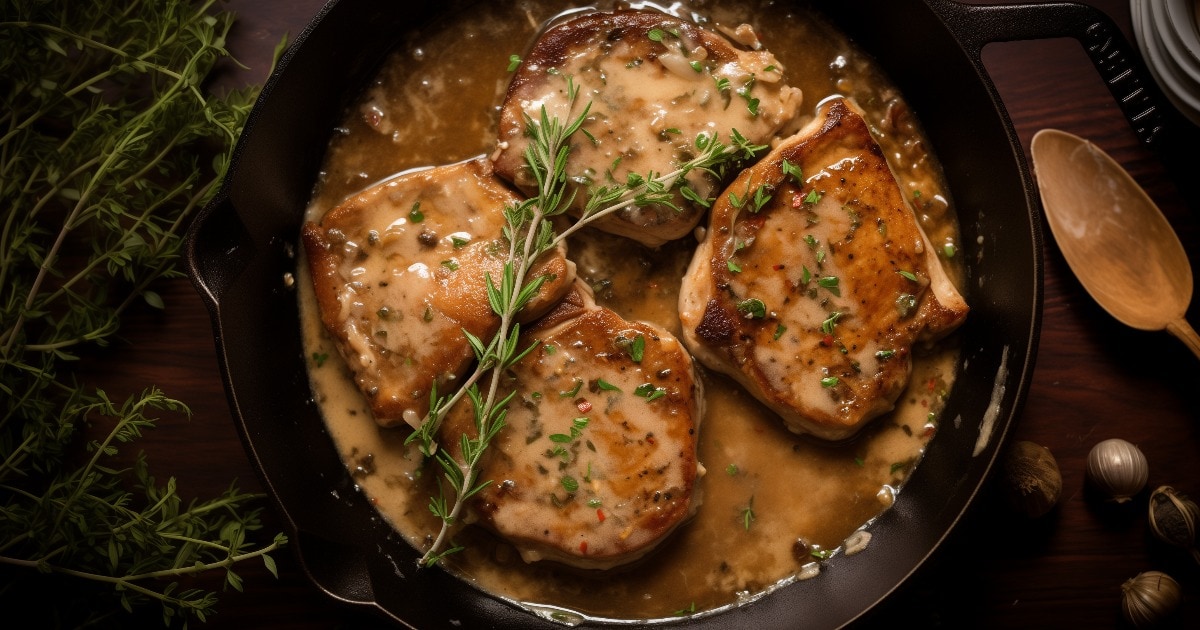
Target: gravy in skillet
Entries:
(776, 506)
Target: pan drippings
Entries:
(775, 506)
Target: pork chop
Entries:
(399, 272)
(655, 83)
(597, 462)
(815, 280)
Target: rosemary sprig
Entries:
(530, 234)
(101, 131)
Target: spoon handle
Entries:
(1181, 329)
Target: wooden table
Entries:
(1095, 379)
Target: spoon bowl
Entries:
(1113, 235)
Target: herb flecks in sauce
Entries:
(621, 285)
(529, 234)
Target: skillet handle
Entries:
(1119, 65)
(218, 248)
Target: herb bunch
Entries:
(530, 234)
(103, 123)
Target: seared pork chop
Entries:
(815, 280)
(399, 272)
(654, 82)
(597, 463)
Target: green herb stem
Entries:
(714, 154)
(529, 236)
(101, 138)
(468, 468)
(128, 581)
(138, 63)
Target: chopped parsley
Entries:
(752, 308)
(572, 392)
(637, 349)
(606, 386)
(649, 392)
(792, 170)
(831, 321)
(830, 283)
(760, 199)
(751, 102)
(748, 514)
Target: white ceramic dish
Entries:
(1183, 16)
(1180, 89)
(1172, 43)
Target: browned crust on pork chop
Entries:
(814, 298)
(399, 272)
(605, 490)
(649, 99)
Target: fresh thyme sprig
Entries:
(715, 158)
(103, 123)
(530, 234)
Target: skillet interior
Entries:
(241, 247)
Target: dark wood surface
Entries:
(1095, 379)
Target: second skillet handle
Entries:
(1118, 64)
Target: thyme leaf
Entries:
(530, 234)
(103, 129)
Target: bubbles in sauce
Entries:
(775, 505)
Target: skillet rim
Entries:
(354, 581)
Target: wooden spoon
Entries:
(1113, 236)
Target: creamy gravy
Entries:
(774, 505)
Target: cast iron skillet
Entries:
(242, 245)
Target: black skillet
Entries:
(241, 246)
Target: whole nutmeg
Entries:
(1033, 482)
(1148, 598)
(1173, 519)
(1118, 469)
